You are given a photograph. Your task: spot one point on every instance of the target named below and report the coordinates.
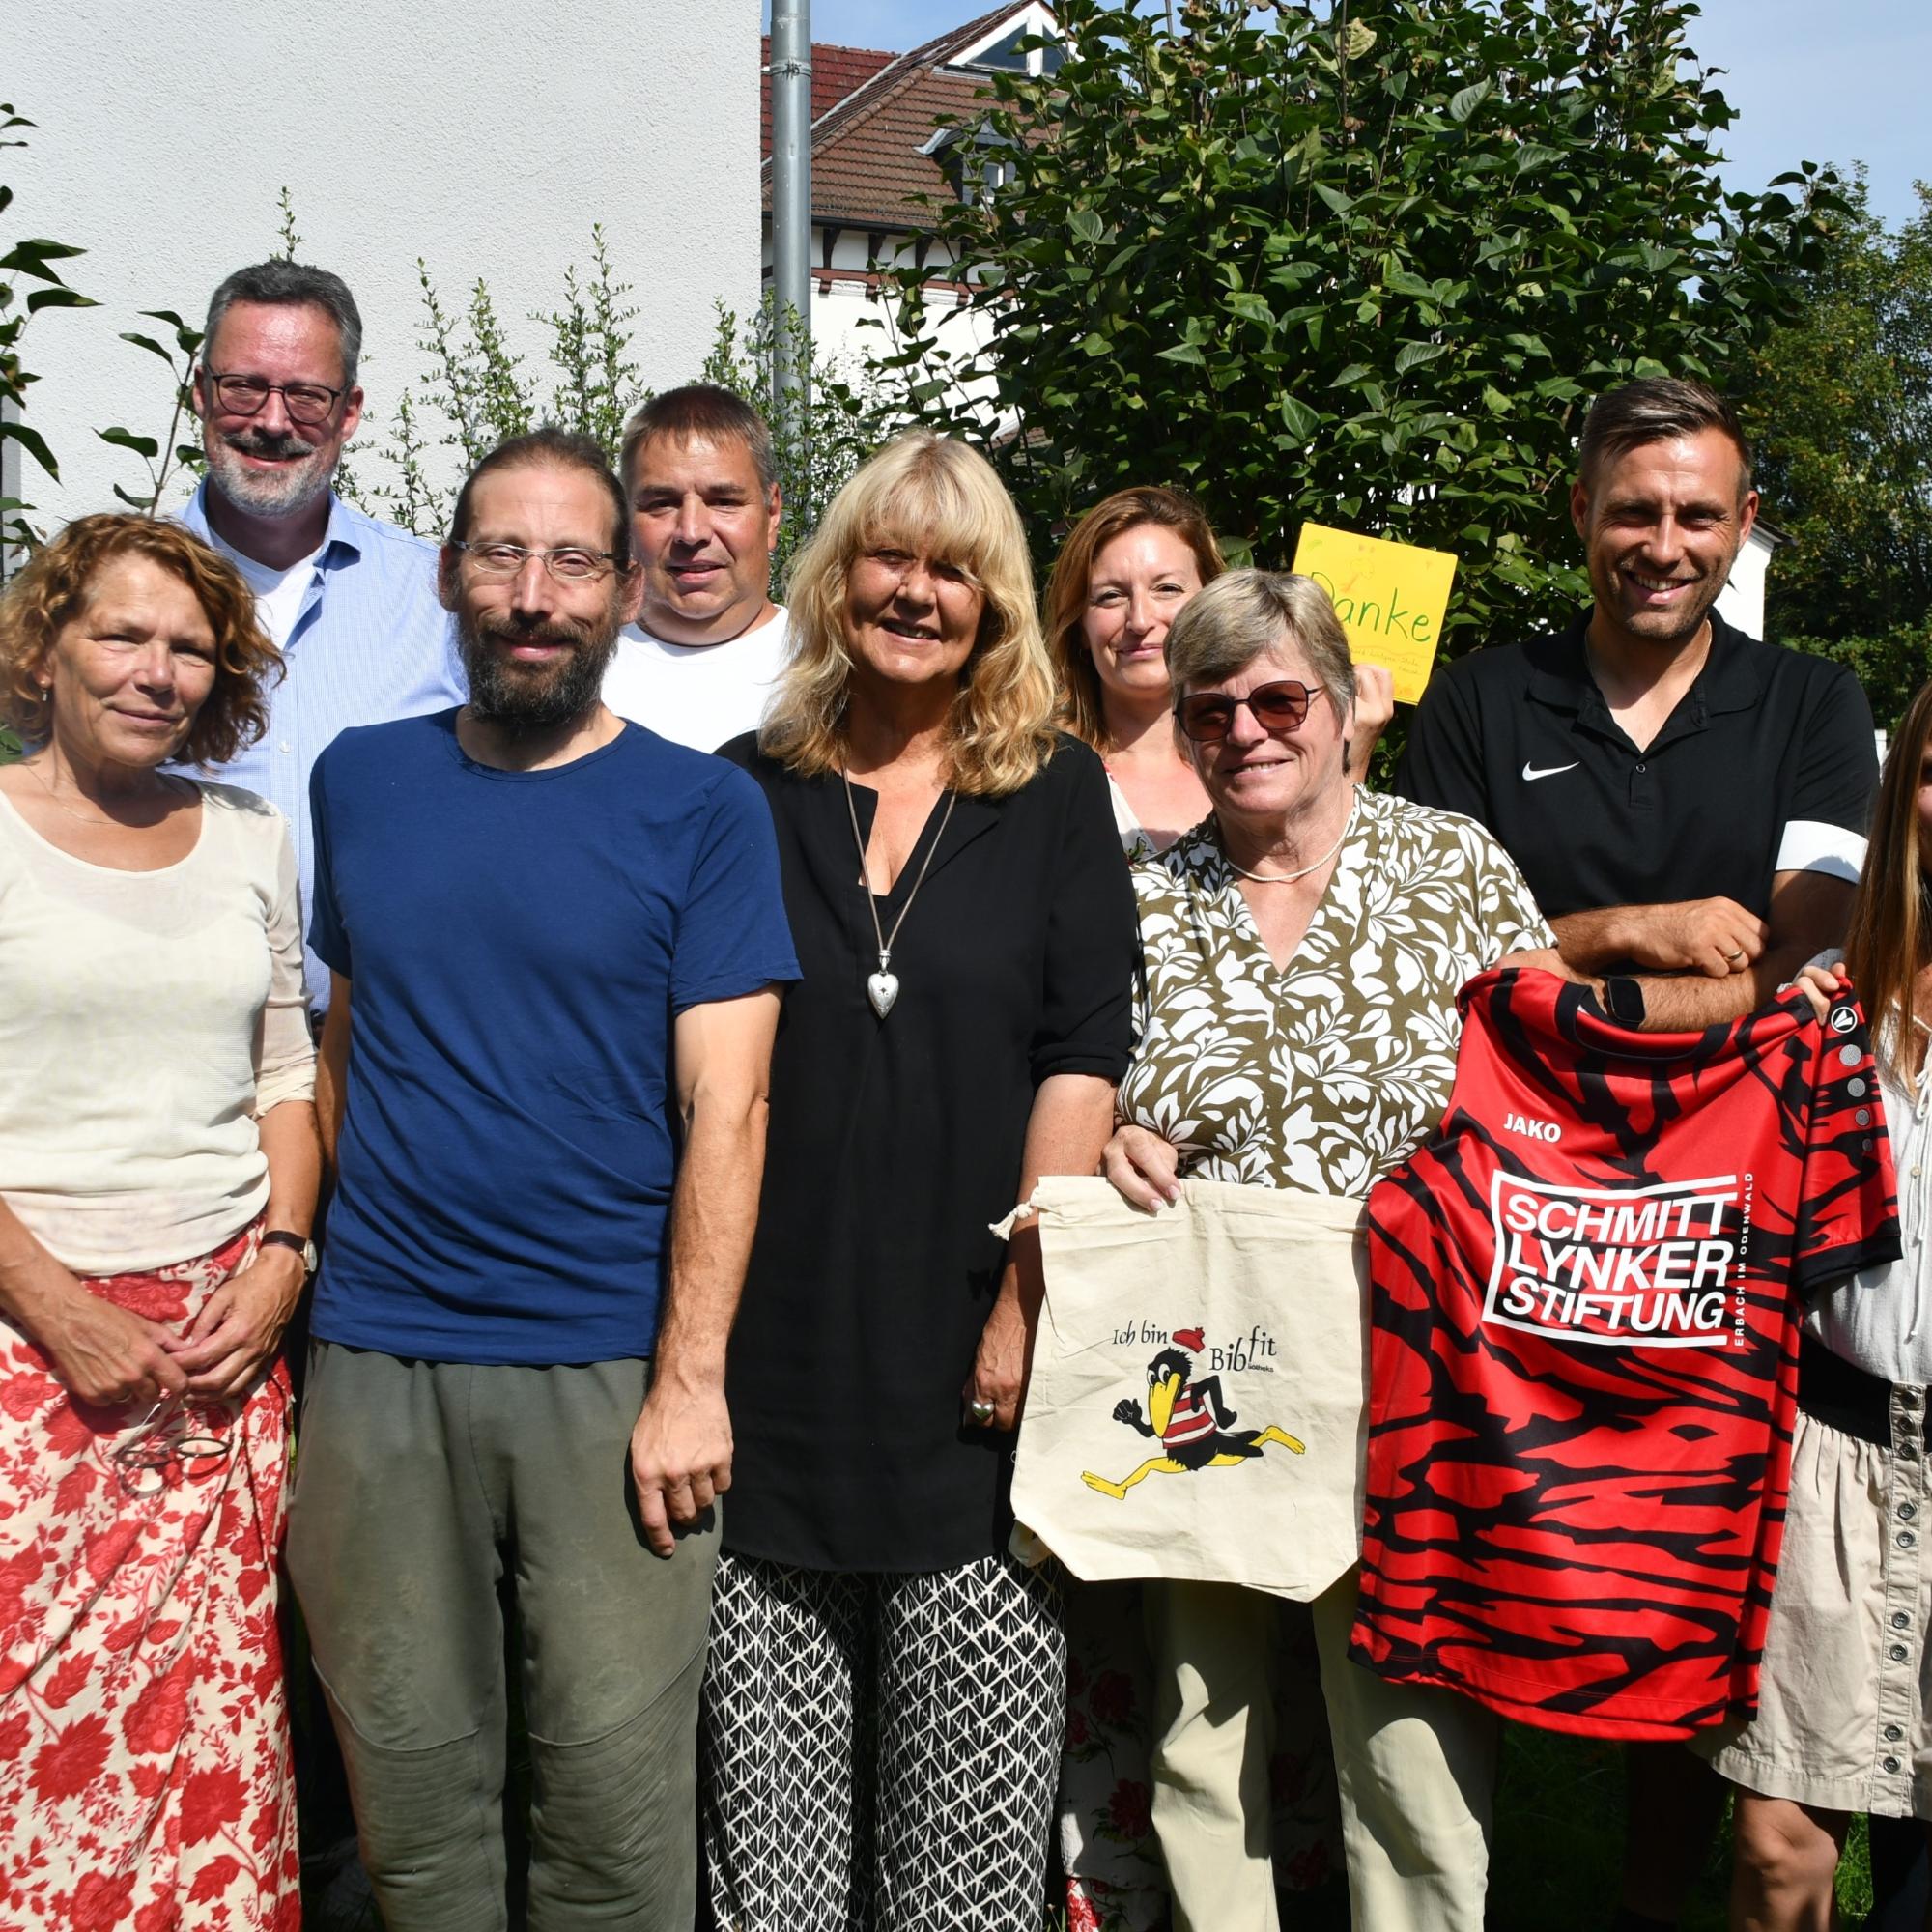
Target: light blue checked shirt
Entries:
(370, 643)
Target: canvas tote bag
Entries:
(1199, 1392)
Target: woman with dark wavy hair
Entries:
(158, 1166)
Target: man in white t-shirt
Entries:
(699, 663)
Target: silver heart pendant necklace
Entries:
(882, 987)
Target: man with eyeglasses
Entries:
(350, 601)
(558, 944)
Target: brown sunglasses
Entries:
(1208, 717)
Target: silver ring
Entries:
(979, 1410)
(1734, 957)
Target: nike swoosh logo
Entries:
(1533, 772)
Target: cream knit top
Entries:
(147, 1021)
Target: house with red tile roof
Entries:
(876, 147)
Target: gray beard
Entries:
(535, 701)
(287, 494)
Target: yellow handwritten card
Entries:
(1390, 597)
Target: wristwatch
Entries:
(287, 1237)
(1624, 997)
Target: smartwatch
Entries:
(285, 1237)
(1624, 997)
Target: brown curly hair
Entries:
(54, 587)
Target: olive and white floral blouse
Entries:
(1324, 1073)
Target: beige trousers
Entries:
(1417, 1768)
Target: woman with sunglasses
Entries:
(1303, 949)
(1125, 571)
(158, 1166)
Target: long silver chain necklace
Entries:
(882, 987)
(1289, 878)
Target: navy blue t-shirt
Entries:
(519, 944)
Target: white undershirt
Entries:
(697, 694)
(278, 593)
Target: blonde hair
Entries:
(936, 497)
(1080, 705)
(1888, 936)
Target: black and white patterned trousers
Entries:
(880, 1752)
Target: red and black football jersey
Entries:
(1583, 1363)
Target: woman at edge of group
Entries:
(1124, 573)
(885, 1685)
(1303, 947)
(1844, 1718)
(158, 1168)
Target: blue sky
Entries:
(1821, 80)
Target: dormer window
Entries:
(999, 51)
(977, 165)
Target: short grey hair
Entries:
(1243, 614)
(290, 285)
(1658, 408)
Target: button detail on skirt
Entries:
(1893, 1734)
(1900, 1621)
(1890, 1762)
(1907, 1511)
(1898, 1653)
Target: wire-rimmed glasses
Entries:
(569, 564)
(176, 1433)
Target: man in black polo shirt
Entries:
(1687, 804)
(1689, 807)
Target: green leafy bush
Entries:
(1365, 263)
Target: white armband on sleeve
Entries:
(1810, 845)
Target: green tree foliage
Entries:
(1838, 402)
(1364, 263)
(33, 260)
(482, 392)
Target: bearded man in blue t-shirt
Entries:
(557, 944)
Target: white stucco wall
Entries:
(485, 137)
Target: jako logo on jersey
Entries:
(1619, 1266)
(1843, 1019)
(1537, 1130)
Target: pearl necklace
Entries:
(1289, 878)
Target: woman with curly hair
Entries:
(886, 1688)
(158, 1166)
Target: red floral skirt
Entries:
(144, 1761)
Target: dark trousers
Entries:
(420, 1487)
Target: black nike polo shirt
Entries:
(1766, 765)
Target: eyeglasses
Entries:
(245, 395)
(174, 1436)
(1206, 717)
(568, 565)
